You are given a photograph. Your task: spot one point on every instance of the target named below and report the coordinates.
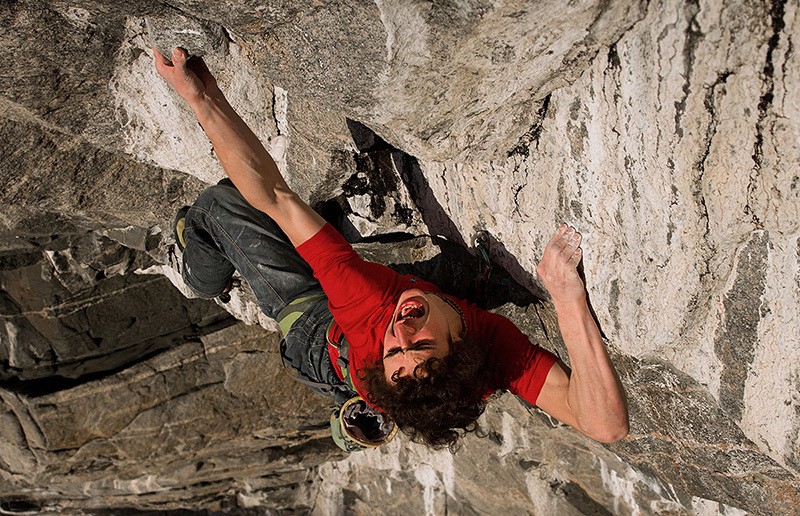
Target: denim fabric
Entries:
(305, 349)
(223, 232)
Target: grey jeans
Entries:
(225, 233)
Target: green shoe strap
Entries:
(179, 227)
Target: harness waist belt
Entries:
(292, 312)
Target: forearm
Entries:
(240, 152)
(595, 395)
(242, 155)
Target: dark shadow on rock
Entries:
(61, 374)
(457, 269)
(335, 212)
(407, 167)
(434, 216)
(509, 262)
(527, 280)
(452, 267)
(582, 274)
(364, 138)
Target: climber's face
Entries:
(422, 326)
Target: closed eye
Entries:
(418, 346)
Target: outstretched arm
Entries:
(591, 398)
(242, 155)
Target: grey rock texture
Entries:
(81, 310)
(190, 427)
(667, 131)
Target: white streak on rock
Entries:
(281, 109)
(432, 493)
(540, 493)
(509, 443)
(703, 507)
(11, 335)
(141, 485)
(622, 489)
(330, 496)
(390, 30)
(776, 358)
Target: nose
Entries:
(404, 333)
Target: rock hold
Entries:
(196, 36)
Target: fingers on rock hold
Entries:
(179, 56)
(161, 61)
(575, 259)
(567, 240)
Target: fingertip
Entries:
(179, 55)
(158, 56)
(576, 257)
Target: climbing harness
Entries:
(354, 424)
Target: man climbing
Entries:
(427, 359)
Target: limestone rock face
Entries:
(676, 153)
(667, 131)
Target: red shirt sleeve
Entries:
(522, 366)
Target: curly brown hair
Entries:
(443, 399)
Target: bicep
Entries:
(553, 396)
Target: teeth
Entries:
(411, 310)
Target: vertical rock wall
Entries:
(676, 154)
(666, 131)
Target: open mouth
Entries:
(410, 309)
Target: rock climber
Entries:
(424, 361)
